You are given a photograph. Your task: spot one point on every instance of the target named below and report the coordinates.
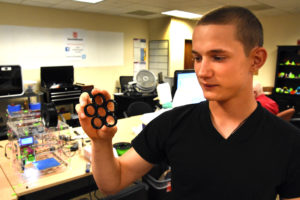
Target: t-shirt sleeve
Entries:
(150, 143)
(291, 186)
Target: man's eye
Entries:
(219, 58)
(197, 59)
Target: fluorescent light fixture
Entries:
(182, 14)
(89, 1)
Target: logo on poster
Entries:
(75, 34)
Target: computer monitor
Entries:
(57, 75)
(184, 78)
(186, 83)
(11, 83)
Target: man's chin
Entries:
(213, 98)
(210, 97)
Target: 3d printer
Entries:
(35, 147)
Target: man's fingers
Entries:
(84, 99)
(104, 92)
(80, 111)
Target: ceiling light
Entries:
(89, 1)
(182, 14)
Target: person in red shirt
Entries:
(265, 101)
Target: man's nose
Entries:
(203, 69)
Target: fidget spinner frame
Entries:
(102, 111)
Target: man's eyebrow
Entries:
(217, 51)
(211, 51)
(195, 52)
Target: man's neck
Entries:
(228, 116)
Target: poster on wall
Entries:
(75, 43)
(139, 55)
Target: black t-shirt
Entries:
(261, 159)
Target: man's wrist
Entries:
(100, 143)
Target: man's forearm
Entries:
(105, 167)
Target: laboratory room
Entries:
(95, 96)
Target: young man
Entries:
(265, 101)
(225, 148)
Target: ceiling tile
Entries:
(11, 1)
(269, 12)
(281, 3)
(145, 8)
(70, 5)
(119, 7)
(236, 2)
(49, 1)
(37, 3)
(103, 9)
(193, 5)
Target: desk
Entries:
(6, 191)
(71, 182)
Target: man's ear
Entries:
(258, 57)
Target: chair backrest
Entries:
(138, 108)
(124, 80)
(286, 114)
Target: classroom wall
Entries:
(175, 30)
(159, 28)
(180, 30)
(278, 30)
(105, 77)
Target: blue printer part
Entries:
(35, 106)
(13, 108)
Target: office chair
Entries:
(137, 191)
(138, 108)
(124, 80)
(286, 114)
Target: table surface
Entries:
(6, 191)
(15, 184)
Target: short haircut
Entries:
(249, 30)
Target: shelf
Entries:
(287, 65)
(288, 95)
(296, 66)
(288, 79)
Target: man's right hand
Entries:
(105, 133)
(111, 174)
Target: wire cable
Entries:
(5, 152)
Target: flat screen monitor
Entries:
(187, 87)
(57, 75)
(11, 83)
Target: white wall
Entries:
(104, 77)
(278, 30)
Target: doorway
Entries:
(188, 58)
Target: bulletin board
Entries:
(32, 47)
(139, 55)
